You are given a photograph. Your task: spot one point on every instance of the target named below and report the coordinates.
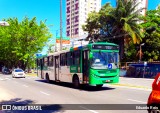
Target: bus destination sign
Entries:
(105, 47)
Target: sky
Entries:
(45, 10)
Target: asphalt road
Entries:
(33, 90)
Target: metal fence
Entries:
(141, 70)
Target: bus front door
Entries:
(56, 68)
(85, 67)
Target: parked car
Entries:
(6, 71)
(18, 73)
(154, 97)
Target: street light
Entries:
(4, 23)
(140, 51)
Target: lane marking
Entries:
(44, 93)
(136, 101)
(88, 109)
(7, 78)
(25, 85)
(1, 79)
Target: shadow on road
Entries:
(82, 87)
(17, 101)
(23, 106)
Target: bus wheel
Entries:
(76, 82)
(47, 78)
(99, 85)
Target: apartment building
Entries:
(142, 4)
(77, 12)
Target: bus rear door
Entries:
(56, 68)
(85, 65)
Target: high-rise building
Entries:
(77, 12)
(142, 4)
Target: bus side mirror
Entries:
(91, 55)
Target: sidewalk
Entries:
(142, 83)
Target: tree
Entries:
(125, 23)
(21, 40)
(51, 48)
(151, 28)
(120, 23)
(92, 25)
(98, 24)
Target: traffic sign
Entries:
(109, 66)
(145, 63)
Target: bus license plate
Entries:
(107, 80)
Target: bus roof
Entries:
(76, 48)
(58, 52)
(90, 44)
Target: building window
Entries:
(68, 27)
(68, 33)
(68, 3)
(76, 19)
(68, 21)
(76, 12)
(68, 9)
(76, 6)
(76, 25)
(76, 31)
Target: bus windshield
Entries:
(102, 59)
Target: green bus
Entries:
(94, 64)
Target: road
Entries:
(33, 90)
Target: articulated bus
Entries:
(93, 64)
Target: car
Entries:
(154, 98)
(18, 73)
(6, 71)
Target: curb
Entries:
(132, 86)
(31, 74)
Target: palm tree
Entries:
(125, 25)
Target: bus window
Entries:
(38, 62)
(76, 57)
(46, 61)
(50, 61)
(69, 59)
(63, 59)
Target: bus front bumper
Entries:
(94, 80)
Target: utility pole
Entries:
(60, 25)
(56, 39)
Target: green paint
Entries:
(98, 76)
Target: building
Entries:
(77, 12)
(143, 4)
(65, 43)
